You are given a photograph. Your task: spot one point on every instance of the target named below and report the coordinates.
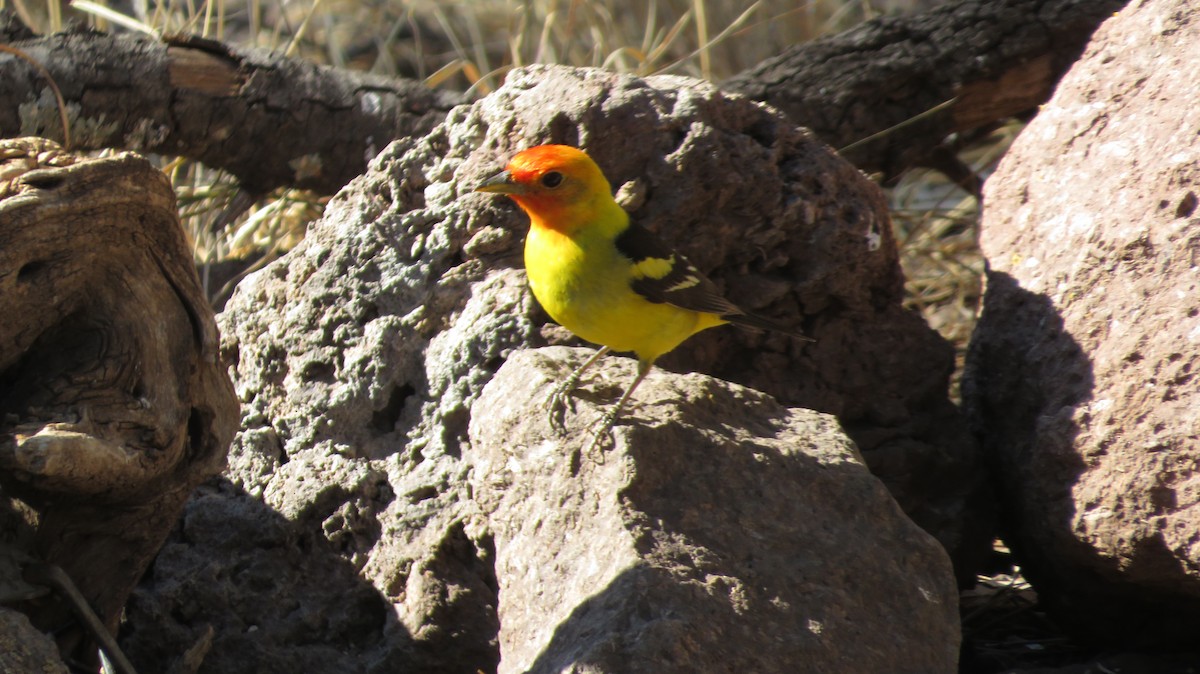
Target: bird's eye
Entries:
(552, 179)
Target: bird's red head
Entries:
(554, 184)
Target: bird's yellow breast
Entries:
(583, 282)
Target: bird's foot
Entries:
(562, 392)
(604, 429)
(602, 436)
(557, 404)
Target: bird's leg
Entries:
(610, 417)
(558, 399)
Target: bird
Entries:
(602, 275)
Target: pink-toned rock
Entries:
(1082, 374)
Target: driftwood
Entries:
(114, 405)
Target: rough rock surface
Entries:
(695, 545)
(347, 526)
(24, 649)
(1082, 373)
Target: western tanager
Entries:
(602, 276)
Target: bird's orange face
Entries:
(554, 184)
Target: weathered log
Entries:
(267, 119)
(971, 63)
(113, 403)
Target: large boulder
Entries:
(697, 545)
(1081, 378)
(347, 532)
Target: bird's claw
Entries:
(602, 435)
(596, 449)
(558, 411)
(558, 406)
(560, 398)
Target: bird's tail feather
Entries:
(759, 323)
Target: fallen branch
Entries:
(267, 119)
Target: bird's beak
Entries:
(501, 183)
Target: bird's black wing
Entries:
(662, 275)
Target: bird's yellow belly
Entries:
(589, 294)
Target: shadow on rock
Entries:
(1029, 388)
(239, 588)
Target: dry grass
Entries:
(465, 46)
(1004, 629)
(937, 230)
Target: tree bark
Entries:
(267, 119)
(990, 59)
(113, 404)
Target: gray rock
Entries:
(696, 544)
(1082, 374)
